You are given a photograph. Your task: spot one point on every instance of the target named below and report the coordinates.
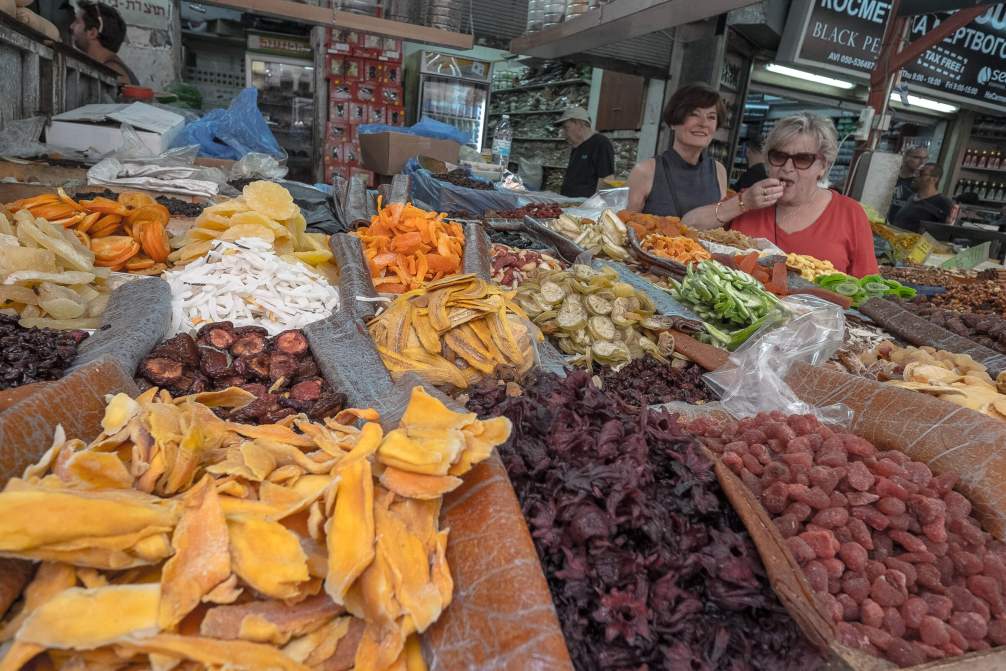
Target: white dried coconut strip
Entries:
(247, 283)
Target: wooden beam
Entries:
(618, 21)
(321, 16)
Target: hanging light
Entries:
(808, 76)
(926, 103)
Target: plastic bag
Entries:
(256, 165)
(232, 133)
(425, 128)
(754, 378)
(134, 166)
(532, 173)
(20, 138)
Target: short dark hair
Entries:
(691, 97)
(937, 171)
(107, 21)
(756, 143)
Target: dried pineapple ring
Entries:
(112, 247)
(232, 206)
(248, 231)
(136, 199)
(270, 199)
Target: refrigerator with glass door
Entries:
(451, 89)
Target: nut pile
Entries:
(512, 266)
(280, 371)
(34, 354)
(985, 298)
(892, 551)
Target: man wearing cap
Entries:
(592, 158)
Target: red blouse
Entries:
(842, 235)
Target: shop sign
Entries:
(144, 13)
(280, 45)
(846, 36)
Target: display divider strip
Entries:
(920, 332)
(354, 275)
(477, 257)
(568, 251)
(137, 317)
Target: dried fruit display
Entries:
(983, 298)
(128, 234)
(809, 267)
(987, 330)
(279, 371)
(594, 317)
(512, 266)
(264, 210)
(245, 282)
(34, 354)
(607, 235)
(48, 277)
(513, 239)
(454, 332)
(644, 224)
(730, 238)
(863, 289)
(179, 537)
(677, 248)
(176, 206)
(927, 276)
(534, 210)
(648, 381)
(892, 551)
(648, 564)
(458, 177)
(406, 247)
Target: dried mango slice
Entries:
(224, 593)
(226, 622)
(414, 654)
(320, 644)
(432, 455)
(217, 654)
(270, 199)
(228, 207)
(266, 555)
(97, 470)
(202, 555)
(231, 397)
(380, 646)
(410, 569)
(118, 412)
(19, 654)
(85, 619)
(350, 530)
(427, 414)
(417, 486)
(50, 579)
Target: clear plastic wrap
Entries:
(256, 165)
(19, 138)
(754, 378)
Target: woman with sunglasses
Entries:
(793, 210)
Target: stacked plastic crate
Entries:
(364, 75)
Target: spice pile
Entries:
(128, 234)
(893, 552)
(406, 246)
(246, 283)
(264, 210)
(34, 354)
(512, 266)
(279, 371)
(677, 248)
(648, 381)
(987, 330)
(458, 177)
(284, 546)
(607, 235)
(454, 331)
(594, 317)
(48, 277)
(534, 210)
(648, 565)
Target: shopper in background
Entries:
(99, 31)
(793, 210)
(757, 170)
(928, 205)
(912, 161)
(684, 178)
(591, 159)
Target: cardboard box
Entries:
(99, 127)
(386, 153)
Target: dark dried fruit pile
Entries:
(893, 552)
(984, 297)
(280, 371)
(33, 355)
(648, 382)
(535, 210)
(176, 206)
(514, 239)
(648, 564)
(459, 177)
(984, 329)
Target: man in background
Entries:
(592, 158)
(929, 204)
(911, 163)
(757, 170)
(99, 31)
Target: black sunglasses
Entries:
(801, 161)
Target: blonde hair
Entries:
(818, 127)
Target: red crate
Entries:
(395, 116)
(366, 92)
(358, 112)
(377, 114)
(392, 74)
(338, 111)
(391, 95)
(340, 91)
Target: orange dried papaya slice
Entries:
(154, 240)
(157, 213)
(105, 206)
(135, 199)
(139, 263)
(89, 221)
(113, 247)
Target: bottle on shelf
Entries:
(983, 190)
(502, 139)
(997, 160)
(983, 160)
(969, 158)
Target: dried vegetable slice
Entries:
(232, 546)
(454, 332)
(406, 247)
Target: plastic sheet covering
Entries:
(357, 204)
(754, 378)
(477, 255)
(354, 275)
(446, 197)
(605, 199)
(19, 138)
(137, 317)
(256, 165)
(233, 132)
(315, 205)
(426, 127)
(914, 329)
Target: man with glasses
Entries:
(929, 204)
(912, 162)
(99, 31)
